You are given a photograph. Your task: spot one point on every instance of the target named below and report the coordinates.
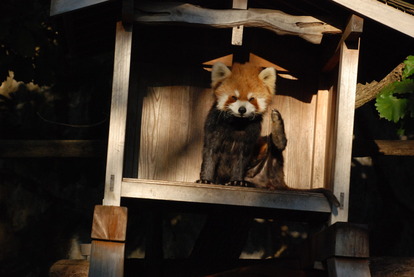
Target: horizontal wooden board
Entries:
(224, 195)
(52, 148)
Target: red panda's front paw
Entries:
(239, 184)
(204, 182)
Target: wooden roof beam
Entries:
(382, 13)
(351, 34)
(306, 27)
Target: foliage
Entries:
(395, 102)
(28, 42)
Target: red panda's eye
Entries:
(234, 98)
(251, 99)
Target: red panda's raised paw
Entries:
(239, 184)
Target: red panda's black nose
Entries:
(242, 110)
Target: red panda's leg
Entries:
(278, 131)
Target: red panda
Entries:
(233, 125)
(234, 152)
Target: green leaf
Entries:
(403, 87)
(391, 107)
(409, 67)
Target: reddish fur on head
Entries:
(244, 91)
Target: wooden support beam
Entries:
(351, 33)
(382, 13)
(237, 33)
(344, 248)
(63, 6)
(117, 123)
(52, 148)
(108, 247)
(341, 239)
(364, 148)
(107, 259)
(345, 267)
(109, 223)
(344, 122)
(306, 27)
(225, 195)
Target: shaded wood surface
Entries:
(109, 223)
(363, 148)
(306, 27)
(107, 259)
(52, 148)
(346, 267)
(225, 195)
(341, 239)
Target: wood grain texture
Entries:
(322, 132)
(117, 123)
(69, 268)
(107, 259)
(109, 223)
(380, 12)
(306, 27)
(172, 133)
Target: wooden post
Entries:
(108, 246)
(345, 249)
(344, 119)
(117, 124)
(237, 33)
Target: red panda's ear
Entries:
(219, 72)
(268, 77)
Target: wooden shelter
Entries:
(160, 98)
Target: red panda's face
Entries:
(245, 91)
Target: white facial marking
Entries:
(237, 93)
(221, 101)
(250, 95)
(234, 108)
(261, 102)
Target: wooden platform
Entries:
(224, 195)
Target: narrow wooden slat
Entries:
(380, 12)
(116, 138)
(321, 137)
(344, 125)
(109, 223)
(216, 194)
(52, 148)
(107, 259)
